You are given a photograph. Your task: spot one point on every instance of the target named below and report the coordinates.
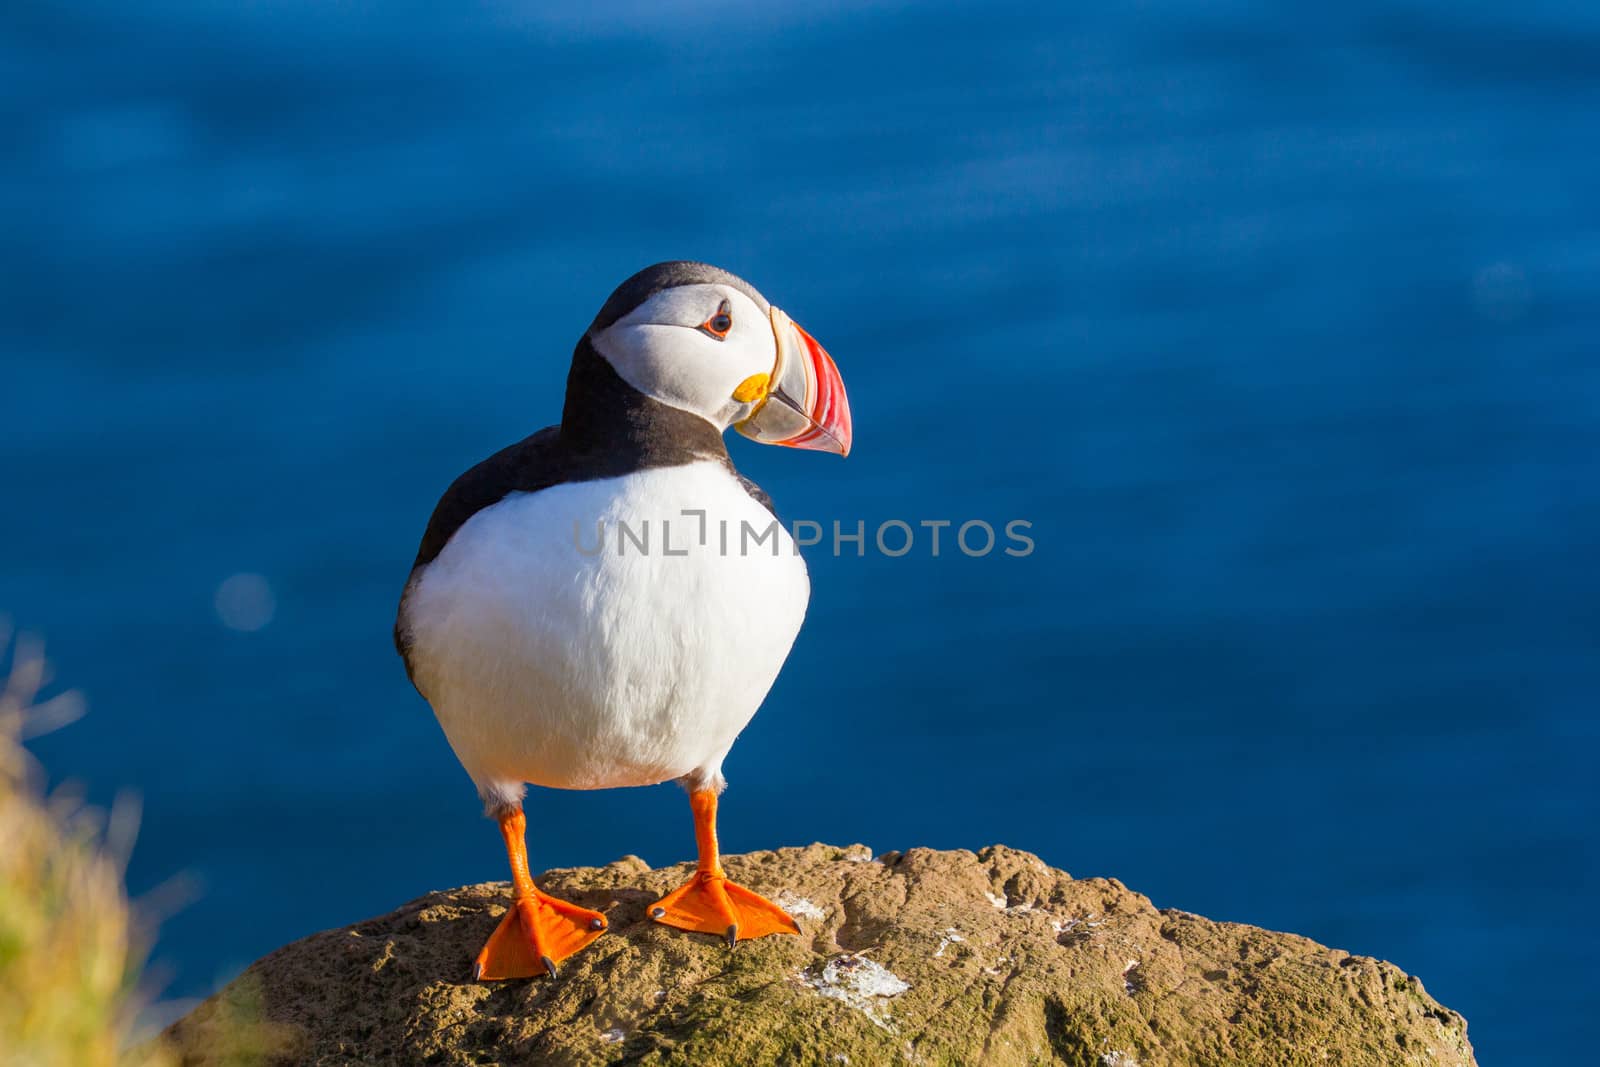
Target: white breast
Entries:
(548, 661)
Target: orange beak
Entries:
(804, 405)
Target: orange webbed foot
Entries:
(710, 904)
(536, 933)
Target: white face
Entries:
(669, 349)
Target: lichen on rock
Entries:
(921, 957)
(857, 982)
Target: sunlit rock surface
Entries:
(917, 957)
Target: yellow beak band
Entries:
(752, 388)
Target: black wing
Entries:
(758, 494)
(536, 462)
(544, 459)
(531, 464)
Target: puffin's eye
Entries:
(719, 324)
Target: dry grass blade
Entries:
(66, 969)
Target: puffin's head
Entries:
(700, 339)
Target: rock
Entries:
(918, 957)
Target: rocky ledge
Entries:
(919, 957)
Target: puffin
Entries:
(607, 602)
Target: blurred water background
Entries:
(1278, 323)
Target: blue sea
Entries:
(1279, 324)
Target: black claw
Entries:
(597, 924)
(656, 913)
(549, 965)
(477, 971)
(794, 923)
(733, 934)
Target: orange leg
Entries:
(538, 930)
(710, 904)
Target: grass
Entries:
(68, 963)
